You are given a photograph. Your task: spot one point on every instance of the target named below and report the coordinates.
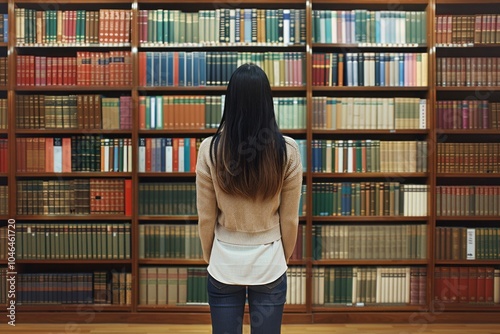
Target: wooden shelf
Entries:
(77, 174)
(369, 45)
(72, 307)
(449, 307)
(72, 88)
(74, 45)
(370, 2)
(72, 132)
(3, 87)
(466, 46)
(468, 132)
(74, 261)
(5, 217)
(465, 2)
(4, 44)
(369, 175)
(468, 89)
(177, 131)
(367, 89)
(368, 308)
(172, 262)
(467, 218)
(167, 174)
(168, 218)
(368, 219)
(72, 217)
(211, 88)
(210, 2)
(468, 175)
(195, 307)
(4, 174)
(469, 262)
(371, 131)
(3, 262)
(368, 262)
(4, 132)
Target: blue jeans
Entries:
(227, 305)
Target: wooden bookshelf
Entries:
(302, 313)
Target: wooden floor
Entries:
(287, 329)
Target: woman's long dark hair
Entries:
(249, 148)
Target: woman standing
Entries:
(248, 183)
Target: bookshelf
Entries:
(470, 35)
(416, 108)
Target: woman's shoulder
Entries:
(291, 143)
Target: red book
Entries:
(481, 285)
(148, 154)
(128, 197)
(438, 283)
(463, 285)
(142, 69)
(472, 284)
(454, 291)
(192, 154)
(422, 285)
(66, 151)
(488, 284)
(49, 156)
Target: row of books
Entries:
(466, 243)
(468, 114)
(162, 198)
(4, 155)
(468, 200)
(168, 154)
(343, 113)
(467, 29)
(369, 199)
(81, 241)
(467, 71)
(73, 112)
(187, 286)
(383, 242)
(474, 285)
(245, 26)
(183, 242)
(172, 285)
(179, 154)
(113, 68)
(74, 288)
(370, 69)
(80, 27)
(74, 197)
(86, 153)
(366, 26)
(4, 200)
(193, 69)
(205, 112)
(360, 286)
(368, 155)
(468, 157)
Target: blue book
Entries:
(382, 69)
(182, 69)
(328, 25)
(116, 158)
(247, 16)
(189, 69)
(163, 144)
(149, 69)
(187, 155)
(164, 69)
(377, 27)
(170, 68)
(203, 69)
(5, 28)
(401, 69)
(159, 26)
(166, 32)
(196, 69)
(156, 69)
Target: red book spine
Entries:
(488, 284)
(148, 154)
(128, 197)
